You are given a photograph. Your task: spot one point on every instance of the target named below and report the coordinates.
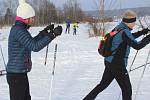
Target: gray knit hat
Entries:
(129, 16)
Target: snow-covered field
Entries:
(79, 69)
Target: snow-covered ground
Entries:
(79, 69)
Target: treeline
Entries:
(46, 12)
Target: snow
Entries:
(79, 69)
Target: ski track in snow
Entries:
(79, 69)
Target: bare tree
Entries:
(98, 25)
(45, 11)
(8, 10)
(73, 11)
(8, 16)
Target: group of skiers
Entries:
(21, 43)
(74, 25)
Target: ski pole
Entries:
(139, 67)
(53, 71)
(54, 59)
(139, 83)
(46, 55)
(133, 60)
(57, 40)
(2, 56)
(2, 72)
(137, 50)
(146, 21)
(51, 27)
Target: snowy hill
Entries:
(79, 69)
(142, 11)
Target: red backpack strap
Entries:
(114, 32)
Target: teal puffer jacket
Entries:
(20, 45)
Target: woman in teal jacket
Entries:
(20, 45)
(115, 64)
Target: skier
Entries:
(75, 26)
(20, 45)
(68, 22)
(115, 65)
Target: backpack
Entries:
(105, 44)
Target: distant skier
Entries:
(75, 26)
(20, 45)
(68, 22)
(115, 64)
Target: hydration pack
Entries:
(105, 44)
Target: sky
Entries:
(89, 5)
(116, 4)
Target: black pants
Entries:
(111, 72)
(74, 31)
(18, 86)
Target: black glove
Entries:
(49, 27)
(146, 40)
(145, 31)
(44, 32)
(53, 33)
(57, 31)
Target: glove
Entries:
(145, 31)
(57, 31)
(49, 27)
(44, 32)
(53, 33)
(146, 40)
